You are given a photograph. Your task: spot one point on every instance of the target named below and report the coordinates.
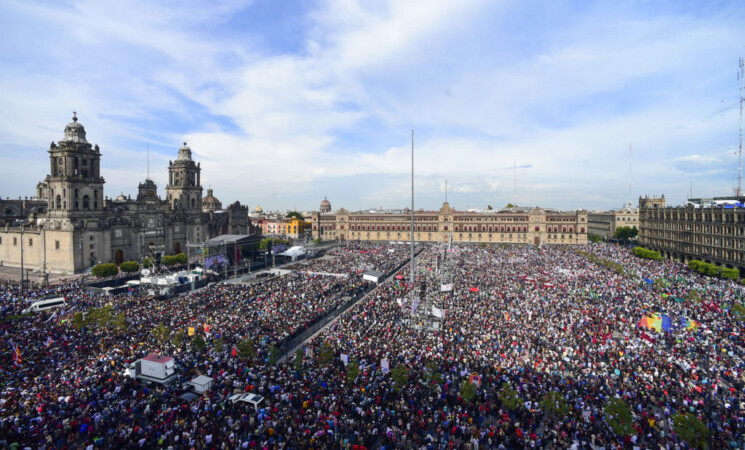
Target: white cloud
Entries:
(485, 84)
(698, 159)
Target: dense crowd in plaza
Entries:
(538, 320)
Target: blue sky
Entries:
(286, 102)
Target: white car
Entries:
(251, 399)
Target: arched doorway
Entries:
(177, 248)
(119, 257)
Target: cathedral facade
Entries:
(70, 225)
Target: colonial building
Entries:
(534, 226)
(71, 225)
(699, 230)
(231, 220)
(605, 223)
(291, 227)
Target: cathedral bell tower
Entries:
(184, 184)
(74, 181)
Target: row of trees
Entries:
(269, 243)
(713, 270)
(606, 263)
(110, 269)
(624, 233)
(648, 254)
(617, 412)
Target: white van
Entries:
(43, 305)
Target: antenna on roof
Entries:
(148, 160)
(741, 79)
(514, 200)
(413, 278)
(630, 197)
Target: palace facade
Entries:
(697, 231)
(604, 223)
(533, 226)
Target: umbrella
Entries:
(474, 289)
(399, 277)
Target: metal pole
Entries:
(21, 259)
(44, 276)
(412, 209)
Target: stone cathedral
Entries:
(70, 225)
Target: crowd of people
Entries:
(540, 321)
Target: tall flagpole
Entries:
(412, 209)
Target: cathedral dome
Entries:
(258, 210)
(325, 205)
(74, 132)
(210, 203)
(184, 153)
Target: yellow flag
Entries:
(191, 331)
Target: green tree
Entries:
(489, 208)
(619, 417)
(101, 318)
(353, 371)
(181, 258)
(119, 323)
(269, 243)
(554, 404)
(693, 296)
(273, 354)
(691, 429)
(468, 391)
(168, 260)
(105, 270)
(626, 233)
(510, 398)
(317, 240)
(327, 354)
(510, 205)
(218, 345)
(729, 274)
(161, 333)
(198, 343)
(659, 283)
(295, 214)
(129, 266)
(594, 237)
(400, 375)
(299, 355)
(77, 320)
(178, 338)
(739, 310)
(147, 263)
(246, 349)
(432, 373)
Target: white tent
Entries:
(294, 252)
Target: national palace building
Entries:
(534, 226)
(710, 230)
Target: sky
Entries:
(550, 103)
